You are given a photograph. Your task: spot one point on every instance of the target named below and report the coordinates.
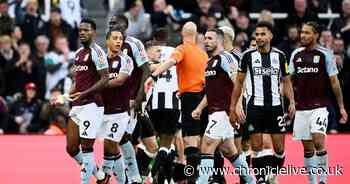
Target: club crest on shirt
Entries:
(298, 60)
(86, 57)
(115, 64)
(316, 59)
(215, 63)
(77, 58)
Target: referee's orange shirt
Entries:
(191, 61)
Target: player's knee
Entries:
(319, 146)
(279, 150)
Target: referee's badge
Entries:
(115, 64)
(316, 59)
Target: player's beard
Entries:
(210, 50)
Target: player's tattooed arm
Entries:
(339, 97)
(196, 113)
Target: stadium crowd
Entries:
(37, 52)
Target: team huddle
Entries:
(161, 108)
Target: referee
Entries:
(190, 61)
(264, 67)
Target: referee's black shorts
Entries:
(190, 126)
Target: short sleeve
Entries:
(331, 66)
(283, 64)
(139, 52)
(291, 68)
(127, 65)
(99, 58)
(178, 54)
(229, 65)
(243, 64)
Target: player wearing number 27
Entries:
(314, 72)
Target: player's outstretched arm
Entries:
(288, 92)
(339, 96)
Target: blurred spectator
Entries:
(65, 84)
(19, 70)
(17, 10)
(292, 42)
(57, 64)
(160, 15)
(326, 39)
(243, 24)
(55, 117)
(7, 22)
(17, 37)
(39, 59)
(32, 24)
(318, 6)
(300, 14)
(4, 6)
(4, 116)
(342, 25)
(71, 11)
(25, 111)
(258, 5)
(57, 27)
(266, 16)
(139, 21)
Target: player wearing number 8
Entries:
(116, 103)
(314, 73)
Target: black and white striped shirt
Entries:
(164, 92)
(263, 75)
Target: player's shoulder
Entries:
(249, 52)
(226, 57)
(79, 50)
(97, 49)
(235, 53)
(323, 50)
(297, 50)
(278, 51)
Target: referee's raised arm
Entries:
(190, 60)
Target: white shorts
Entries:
(114, 126)
(132, 123)
(89, 119)
(308, 122)
(219, 126)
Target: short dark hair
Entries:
(89, 21)
(265, 24)
(161, 35)
(109, 33)
(122, 19)
(218, 32)
(56, 10)
(316, 28)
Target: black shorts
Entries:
(190, 126)
(267, 120)
(144, 128)
(165, 120)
